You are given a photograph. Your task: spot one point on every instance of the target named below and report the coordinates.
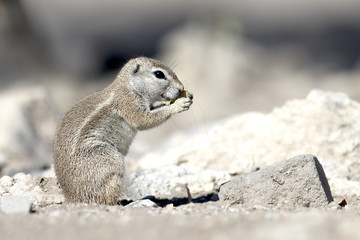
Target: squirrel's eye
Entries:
(159, 74)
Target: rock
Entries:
(15, 204)
(41, 191)
(27, 125)
(5, 183)
(146, 203)
(292, 183)
(170, 182)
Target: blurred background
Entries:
(234, 56)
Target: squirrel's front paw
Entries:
(182, 104)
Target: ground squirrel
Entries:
(94, 136)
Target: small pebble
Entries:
(146, 203)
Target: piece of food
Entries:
(183, 94)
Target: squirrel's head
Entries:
(152, 79)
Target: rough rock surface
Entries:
(162, 183)
(27, 125)
(41, 191)
(170, 182)
(288, 184)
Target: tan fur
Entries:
(94, 136)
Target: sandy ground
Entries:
(211, 220)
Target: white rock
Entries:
(344, 187)
(169, 182)
(40, 190)
(146, 203)
(12, 204)
(6, 181)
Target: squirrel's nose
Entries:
(191, 96)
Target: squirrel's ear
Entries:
(136, 69)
